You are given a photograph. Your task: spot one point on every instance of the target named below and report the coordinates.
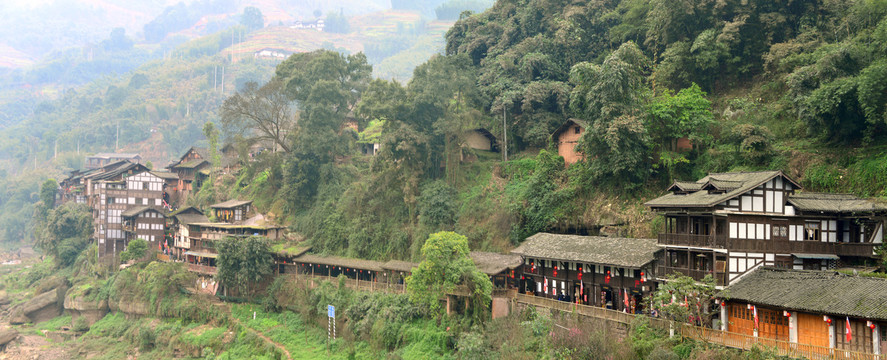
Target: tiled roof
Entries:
(165, 175)
(822, 292)
(133, 211)
(735, 184)
(230, 204)
(624, 252)
(398, 265)
(190, 164)
(812, 201)
(340, 261)
(494, 263)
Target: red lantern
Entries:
(786, 314)
(827, 319)
(723, 304)
(870, 324)
(580, 275)
(555, 271)
(607, 279)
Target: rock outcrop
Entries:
(91, 310)
(45, 306)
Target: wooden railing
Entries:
(202, 269)
(591, 311)
(314, 280)
(718, 241)
(777, 246)
(780, 347)
(664, 271)
(723, 338)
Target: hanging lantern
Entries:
(580, 275)
(786, 313)
(723, 304)
(607, 279)
(870, 324)
(827, 319)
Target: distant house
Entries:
(567, 137)
(101, 159)
(179, 223)
(188, 168)
(314, 24)
(369, 140)
(147, 223)
(232, 211)
(480, 139)
(272, 53)
(118, 193)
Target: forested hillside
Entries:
(789, 85)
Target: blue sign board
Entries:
(331, 311)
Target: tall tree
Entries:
(265, 112)
(611, 96)
(243, 262)
(252, 18)
(66, 232)
(325, 86)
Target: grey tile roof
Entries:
(230, 204)
(736, 183)
(623, 252)
(494, 263)
(133, 211)
(398, 265)
(822, 292)
(340, 261)
(841, 203)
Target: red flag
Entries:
(847, 331)
(545, 285)
(625, 299)
(755, 310)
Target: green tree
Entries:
(325, 86)
(135, 250)
(66, 232)
(252, 18)
(681, 298)
(243, 262)
(611, 96)
(336, 23)
(437, 206)
(446, 264)
(670, 117)
(48, 191)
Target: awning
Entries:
(816, 256)
(202, 254)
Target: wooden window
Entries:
(812, 232)
(577, 130)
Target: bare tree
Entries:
(265, 110)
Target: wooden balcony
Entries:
(202, 269)
(709, 241)
(770, 246)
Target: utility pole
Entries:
(504, 133)
(222, 90)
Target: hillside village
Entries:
(771, 249)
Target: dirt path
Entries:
(33, 347)
(227, 311)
